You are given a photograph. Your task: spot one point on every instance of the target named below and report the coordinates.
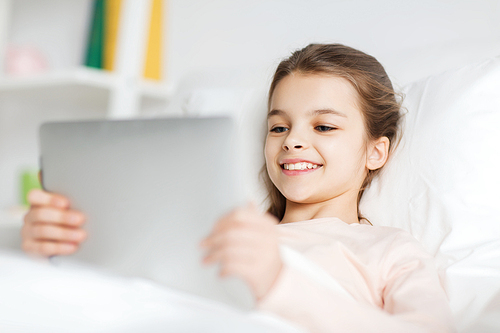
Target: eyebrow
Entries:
(276, 112)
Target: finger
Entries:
(225, 222)
(234, 238)
(222, 226)
(231, 237)
(235, 217)
(57, 233)
(37, 197)
(243, 217)
(48, 248)
(55, 215)
(236, 268)
(252, 206)
(250, 214)
(225, 256)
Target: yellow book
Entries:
(152, 69)
(111, 26)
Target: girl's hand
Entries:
(50, 226)
(245, 244)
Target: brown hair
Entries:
(379, 106)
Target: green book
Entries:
(95, 45)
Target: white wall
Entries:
(215, 46)
(219, 45)
(409, 37)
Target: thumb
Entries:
(252, 206)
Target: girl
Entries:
(332, 122)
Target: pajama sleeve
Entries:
(414, 300)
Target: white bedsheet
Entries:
(38, 297)
(453, 210)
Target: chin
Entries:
(299, 198)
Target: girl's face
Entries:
(315, 147)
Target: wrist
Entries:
(266, 288)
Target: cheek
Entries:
(357, 156)
(270, 150)
(267, 152)
(345, 153)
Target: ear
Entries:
(377, 154)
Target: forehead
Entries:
(308, 92)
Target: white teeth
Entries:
(299, 166)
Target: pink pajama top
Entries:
(340, 277)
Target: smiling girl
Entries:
(332, 122)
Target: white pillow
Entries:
(442, 184)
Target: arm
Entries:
(413, 298)
(245, 244)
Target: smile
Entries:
(300, 166)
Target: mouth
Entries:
(300, 166)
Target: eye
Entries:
(324, 128)
(279, 129)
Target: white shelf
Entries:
(82, 76)
(153, 89)
(88, 87)
(11, 222)
(79, 76)
(67, 91)
(12, 217)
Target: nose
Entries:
(287, 148)
(293, 141)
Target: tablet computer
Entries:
(151, 189)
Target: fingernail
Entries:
(74, 219)
(76, 235)
(68, 248)
(60, 203)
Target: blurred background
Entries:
(118, 59)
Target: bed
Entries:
(442, 185)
